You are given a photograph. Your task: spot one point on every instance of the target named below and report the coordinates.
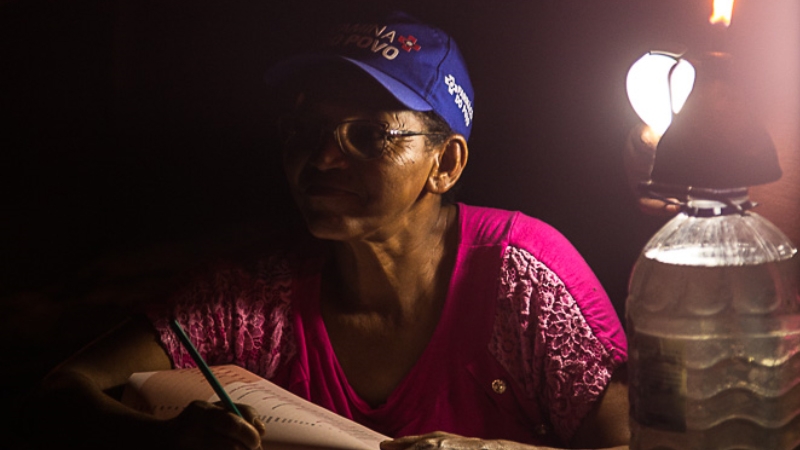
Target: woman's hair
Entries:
(435, 124)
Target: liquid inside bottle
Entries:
(713, 322)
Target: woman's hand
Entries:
(204, 425)
(638, 158)
(79, 388)
(440, 440)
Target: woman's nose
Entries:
(328, 155)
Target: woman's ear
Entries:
(451, 158)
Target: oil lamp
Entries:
(713, 306)
(707, 137)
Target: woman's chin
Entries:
(330, 227)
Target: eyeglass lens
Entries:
(359, 139)
(363, 140)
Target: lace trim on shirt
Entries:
(235, 315)
(542, 338)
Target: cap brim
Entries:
(284, 70)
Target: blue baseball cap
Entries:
(420, 65)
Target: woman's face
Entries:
(345, 198)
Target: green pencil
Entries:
(212, 380)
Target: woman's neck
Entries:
(399, 276)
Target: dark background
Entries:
(134, 141)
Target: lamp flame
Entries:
(723, 12)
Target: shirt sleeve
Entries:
(564, 358)
(232, 314)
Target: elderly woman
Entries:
(435, 323)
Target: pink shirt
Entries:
(526, 343)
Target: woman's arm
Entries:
(448, 441)
(607, 424)
(605, 427)
(78, 401)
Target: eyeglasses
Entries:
(360, 139)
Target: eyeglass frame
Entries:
(340, 137)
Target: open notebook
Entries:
(292, 422)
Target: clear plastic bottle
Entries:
(713, 319)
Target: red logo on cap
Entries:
(409, 43)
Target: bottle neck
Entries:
(711, 203)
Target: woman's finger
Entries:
(205, 425)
